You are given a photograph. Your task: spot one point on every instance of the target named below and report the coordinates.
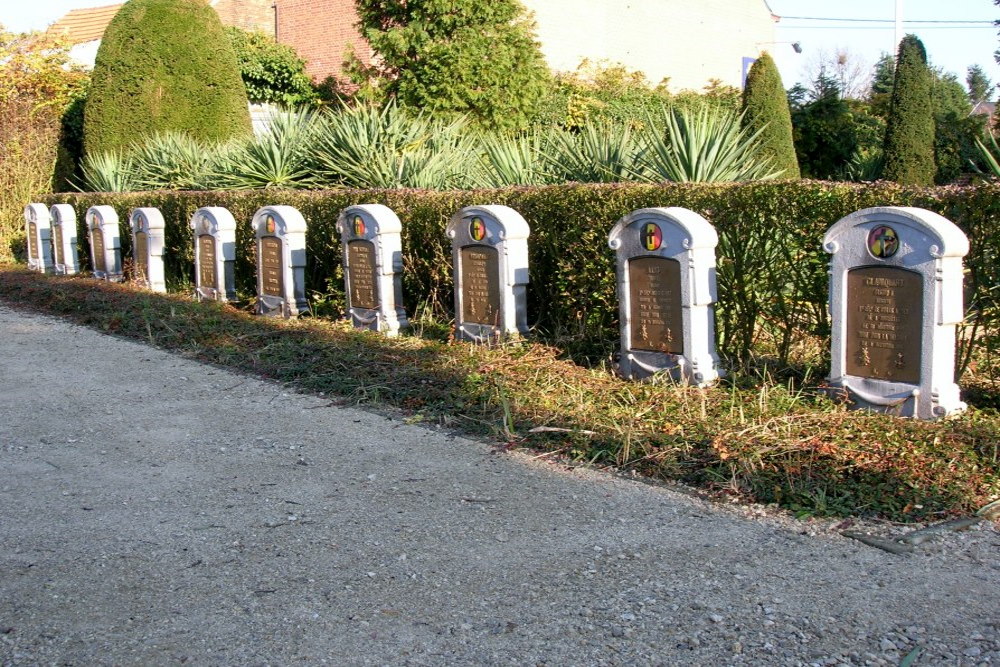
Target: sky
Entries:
(953, 47)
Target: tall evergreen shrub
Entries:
(765, 105)
(164, 65)
(909, 135)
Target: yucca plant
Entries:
(367, 147)
(107, 172)
(513, 160)
(173, 161)
(864, 166)
(704, 146)
(277, 158)
(989, 155)
(601, 152)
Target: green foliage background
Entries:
(771, 269)
(272, 73)
(909, 136)
(164, 65)
(765, 105)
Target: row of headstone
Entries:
(895, 285)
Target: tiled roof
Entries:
(84, 25)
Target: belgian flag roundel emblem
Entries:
(651, 236)
(477, 229)
(269, 224)
(359, 226)
(883, 242)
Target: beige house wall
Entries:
(688, 41)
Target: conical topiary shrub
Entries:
(164, 65)
(909, 133)
(765, 105)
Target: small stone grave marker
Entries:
(281, 261)
(105, 243)
(64, 240)
(373, 266)
(895, 298)
(214, 254)
(489, 246)
(38, 230)
(147, 247)
(665, 260)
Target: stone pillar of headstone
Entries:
(64, 240)
(895, 298)
(214, 254)
(373, 267)
(489, 247)
(37, 229)
(665, 259)
(281, 261)
(147, 247)
(105, 243)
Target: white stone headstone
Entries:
(38, 230)
(489, 246)
(373, 267)
(281, 261)
(64, 240)
(895, 298)
(105, 243)
(665, 259)
(147, 247)
(214, 231)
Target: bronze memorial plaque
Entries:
(361, 274)
(480, 285)
(884, 323)
(270, 266)
(100, 261)
(33, 240)
(57, 245)
(655, 297)
(141, 253)
(206, 262)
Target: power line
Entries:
(853, 20)
(880, 27)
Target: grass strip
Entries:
(751, 438)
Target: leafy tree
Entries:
(765, 109)
(909, 136)
(883, 74)
(955, 128)
(164, 65)
(272, 73)
(980, 86)
(465, 56)
(824, 129)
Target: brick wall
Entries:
(246, 14)
(321, 31)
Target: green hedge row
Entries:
(771, 268)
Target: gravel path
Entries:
(154, 510)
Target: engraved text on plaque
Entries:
(141, 253)
(361, 274)
(100, 261)
(655, 297)
(57, 247)
(884, 323)
(480, 283)
(33, 240)
(206, 262)
(270, 266)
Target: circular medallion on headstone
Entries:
(477, 229)
(883, 242)
(269, 224)
(359, 226)
(651, 236)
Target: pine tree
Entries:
(909, 135)
(980, 86)
(765, 105)
(466, 56)
(164, 65)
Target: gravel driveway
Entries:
(154, 510)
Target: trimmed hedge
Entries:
(164, 65)
(772, 272)
(765, 109)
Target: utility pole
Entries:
(899, 26)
